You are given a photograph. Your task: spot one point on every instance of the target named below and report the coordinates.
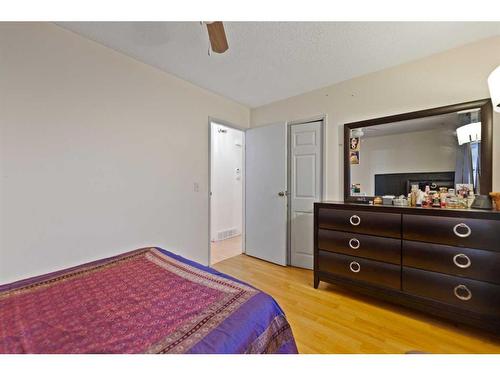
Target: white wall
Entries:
(99, 153)
(227, 185)
(423, 151)
(454, 76)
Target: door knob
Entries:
(282, 193)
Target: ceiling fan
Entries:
(217, 36)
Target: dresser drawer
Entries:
(377, 223)
(472, 295)
(381, 274)
(360, 245)
(459, 261)
(473, 233)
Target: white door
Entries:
(305, 189)
(266, 202)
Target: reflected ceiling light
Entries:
(469, 133)
(357, 133)
(494, 85)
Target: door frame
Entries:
(212, 120)
(289, 124)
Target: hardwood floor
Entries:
(221, 250)
(333, 320)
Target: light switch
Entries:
(196, 187)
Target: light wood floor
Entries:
(225, 249)
(333, 320)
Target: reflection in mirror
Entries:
(436, 151)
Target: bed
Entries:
(144, 301)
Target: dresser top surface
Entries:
(453, 212)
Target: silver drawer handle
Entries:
(461, 264)
(355, 220)
(467, 233)
(462, 288)
(354, 243)
(354, 267)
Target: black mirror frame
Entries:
(485, 105)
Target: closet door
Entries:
(305, 189)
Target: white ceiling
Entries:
(269, 61)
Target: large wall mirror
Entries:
(440, 147)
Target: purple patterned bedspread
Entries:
(144, 301)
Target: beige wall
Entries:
(454, 76)
(99, 153)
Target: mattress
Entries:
(144, 301)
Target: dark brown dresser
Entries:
(442, 261)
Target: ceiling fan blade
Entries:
(217, 37)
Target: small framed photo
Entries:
(354, 157)
(464, 189)
(354, 144)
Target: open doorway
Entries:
(227, 145)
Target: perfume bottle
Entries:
(436, 202)
(470, 199)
